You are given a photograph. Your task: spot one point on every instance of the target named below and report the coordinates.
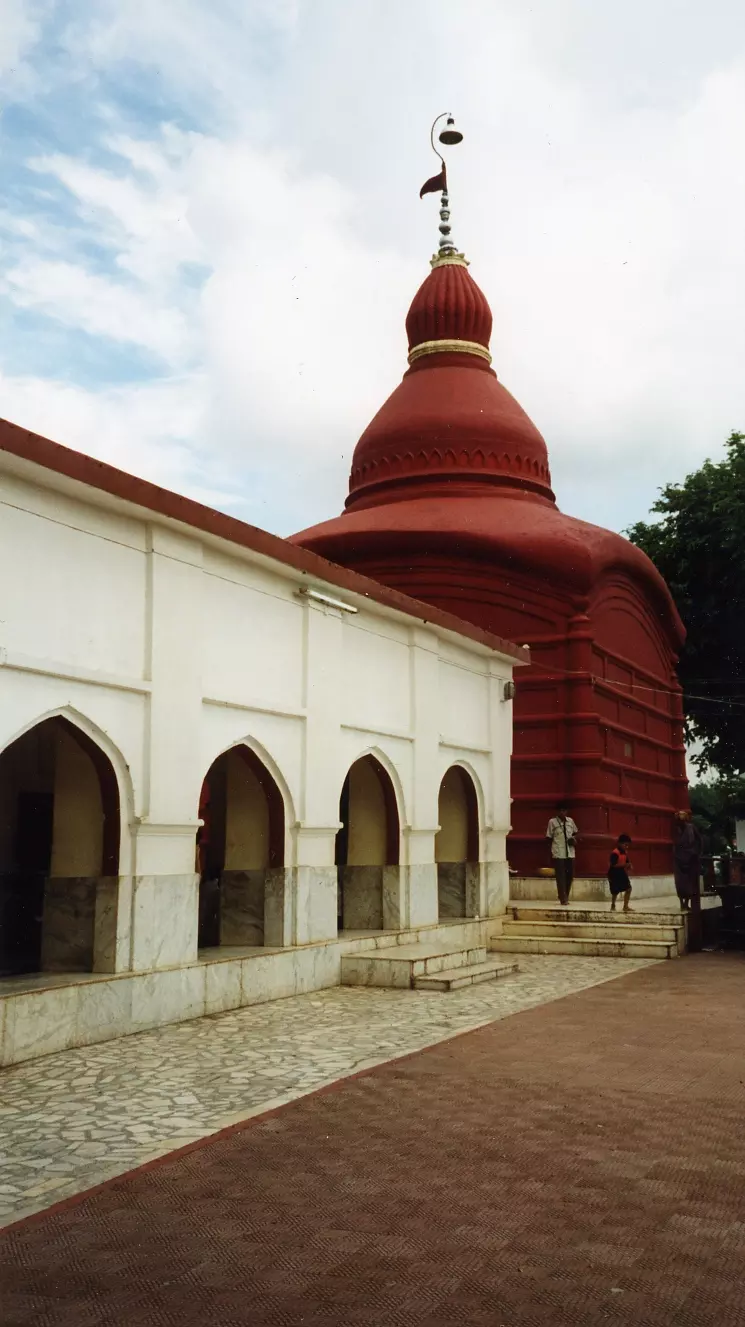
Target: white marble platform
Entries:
(42, 1015)
(588, 889)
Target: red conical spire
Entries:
(450, 419)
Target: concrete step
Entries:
(400, 965)
(595, 948)
(638, 917)
(472, 974)
(606, 930)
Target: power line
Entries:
(638, 686)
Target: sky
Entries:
(210, 231)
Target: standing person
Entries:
(618, 872)
(686, 858)
(562, 834)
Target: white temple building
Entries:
(169, 674)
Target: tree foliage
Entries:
(699, 547)
(715, 808)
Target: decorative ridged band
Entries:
(448, 260)
(446, 347)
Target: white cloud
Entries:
(210, 52)
(602, 214)
(99, 306)
(144, 220)
(20, 22)
(146, 429)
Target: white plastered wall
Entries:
(168, 646)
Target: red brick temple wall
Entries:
(597, 716)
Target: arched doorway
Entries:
(457, 846)
(59, 835)
(240, 851)
(366, 845)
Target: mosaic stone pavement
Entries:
(71, 1121)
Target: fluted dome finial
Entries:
(449, 313)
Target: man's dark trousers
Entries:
(564, 869)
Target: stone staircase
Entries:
(424, 967)
(593, 932)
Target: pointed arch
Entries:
(368, 844)
(459, 815)
(62, 835)
(267, 760)
(382, 759)
(457, 844)
(97, 743)
(241, 848)
(478, 788)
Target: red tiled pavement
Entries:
(582, 1163)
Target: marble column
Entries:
(112, 929)
(165, 897)
(497, 882)
(279, 886)
(419, 879)
(310, 902)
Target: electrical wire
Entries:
(638, 686)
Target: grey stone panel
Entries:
(362, 898)
(68, 925)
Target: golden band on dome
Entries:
(446, 347)
(448, 260)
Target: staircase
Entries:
(597, 933)
(424, 967)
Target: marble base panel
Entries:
(112, 924)
(68, 925)
(242, 907)
(588, 889)
(496, 888)
(475, 889)
(83, 1010)
(394, 898)
(451, 890)
(165, 920)
(279, 885)
(420, 893)
(314, 892)
(362, 897)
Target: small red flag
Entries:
(437, 184)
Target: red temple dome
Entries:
(450, 419)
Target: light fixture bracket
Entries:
(319, 597)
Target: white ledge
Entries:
(28, 663)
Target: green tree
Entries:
(699, 546)
(715, 808)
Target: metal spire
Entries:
(449, 136)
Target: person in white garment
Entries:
(562, 836)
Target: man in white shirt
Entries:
(562, 834)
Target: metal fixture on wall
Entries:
(319, 598)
